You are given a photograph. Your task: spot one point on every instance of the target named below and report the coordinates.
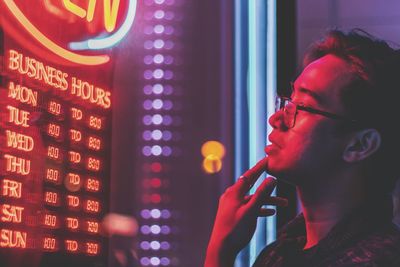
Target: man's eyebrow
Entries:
(309, 92)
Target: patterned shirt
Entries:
(365, 237)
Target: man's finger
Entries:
(247, 180)
(276, 201)
(266, 212)
(263, 191)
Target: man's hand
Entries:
(237, 214)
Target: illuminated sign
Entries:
(55, 127)
(117, 17)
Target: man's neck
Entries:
(323, 207)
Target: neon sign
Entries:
(113, 10)
(56, 125)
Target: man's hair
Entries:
(372, 97)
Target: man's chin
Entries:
(283, 175)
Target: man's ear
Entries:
(363, 144)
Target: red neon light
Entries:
(22, 94)
(50, 220)
(53, 152)
(110, 9)
(75, 157)
(52, 198)
(95, 122)
(53, 130)
(92, 206)
(76, 114)
(89, 92)
(92, 248)
(45, 41)
(92, 227)
(71, 245)
(12, 189)
(19, 141)
(17, 165)
(11, 213)
(94, 143)
(156, 167)
(35, 69)
(50, 244)
(73, 201)
(54, 108)
(74, 179)
(75, 135)
(72, 223)
(92, 185)
(18, 116)
(155, 198)
(93, 164)
(12, 239)
(53, 175)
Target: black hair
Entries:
(372, 97)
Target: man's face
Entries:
(313, 147)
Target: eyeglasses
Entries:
(290, 111)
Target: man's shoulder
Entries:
(379, 248)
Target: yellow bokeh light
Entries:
(213, 148)
(212, 164)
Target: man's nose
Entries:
(276, 120)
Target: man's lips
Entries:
(274, 145)
(272, 139)
(270, 148)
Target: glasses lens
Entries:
(289, 113)
(289, 110)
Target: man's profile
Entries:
(337, 139)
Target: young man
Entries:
(337, 139)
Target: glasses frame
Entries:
(281, 103)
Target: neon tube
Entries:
(39, 36)
(102, 43)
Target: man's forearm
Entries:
(218, 257)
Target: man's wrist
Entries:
(219, 256)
